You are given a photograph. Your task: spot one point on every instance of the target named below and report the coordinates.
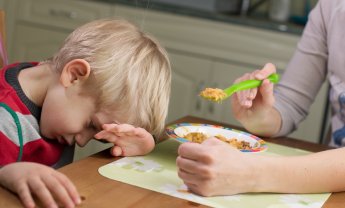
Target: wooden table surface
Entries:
(99, 191)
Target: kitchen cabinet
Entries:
(41, 26)
(189, 77)
(189, 81)
(206, 53)
(30, 46)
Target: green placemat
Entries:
(157, 171)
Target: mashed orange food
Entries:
(213, 94)
(200, 137)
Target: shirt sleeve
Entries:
(306, 71)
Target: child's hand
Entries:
(51, 187)
(214, 168)
(127, 139)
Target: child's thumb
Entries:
(117, 151)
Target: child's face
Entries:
(71, 120)
(69, 113)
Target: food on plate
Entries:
(213, 94)
(196, 137)
(239, 144)
(199, 137)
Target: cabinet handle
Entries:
(63, 13)
(211, 104)
(211, 108)
(200, 87)
(198, 104)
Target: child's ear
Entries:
(75, 71)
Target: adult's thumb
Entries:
(211, 141)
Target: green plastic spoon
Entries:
(218, 95)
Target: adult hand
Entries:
(51, 187)
(215, 168)
(254, 108)
(127, 139)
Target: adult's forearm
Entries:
(314, 173)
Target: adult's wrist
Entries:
(265, 124)
(264, 173)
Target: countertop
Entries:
(254, 20)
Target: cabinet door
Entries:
(35, 44)
(189, 77)
(61, 14)
(40, 26)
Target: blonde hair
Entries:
(130, 69)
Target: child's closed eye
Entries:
(92, 126)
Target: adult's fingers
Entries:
(212, 141)
(190, 166)
(267, 92)
(268, 69)
(244, 95)
(187, 177)
(253, 91)
(190, 150)
(196, 152)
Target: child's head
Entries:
(130, 71)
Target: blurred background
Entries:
(210, 43)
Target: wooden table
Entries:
(99, 191)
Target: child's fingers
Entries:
(116, 151)
(58, 190)
(137, 131)
(108, 136)
(125, 130)
(70, 187)
(25, 196)
(41, 191)
(118, 127)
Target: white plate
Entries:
(178, 131)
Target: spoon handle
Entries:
(249, 84)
